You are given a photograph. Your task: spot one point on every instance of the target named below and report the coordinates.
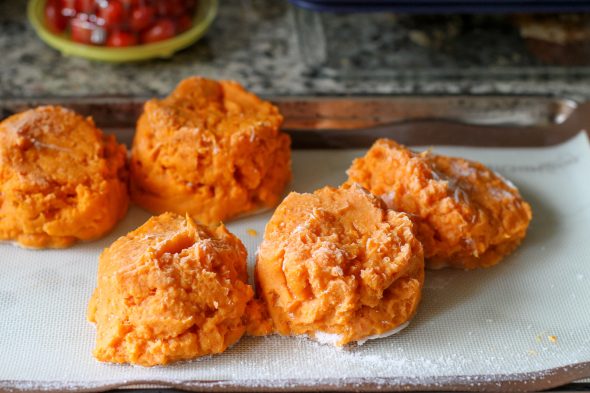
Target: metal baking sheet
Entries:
(349, 122)
(352, 122)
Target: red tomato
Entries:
(82, 29)
(184, 23)
(85, 6)
(68, 8)
(170, 7)
(161, 30)
(54, 19)
(121, 38)
(142, 18)
(112, 13)
(130, 3)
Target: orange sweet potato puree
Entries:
(467, 216)
(210, 149)
(171, 290)
(61, 179)
(338, 262)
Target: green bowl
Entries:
(204, 16)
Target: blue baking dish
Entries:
(439, 2)
(440, 7)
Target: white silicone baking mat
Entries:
(529, 314)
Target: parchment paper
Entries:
(528, 314)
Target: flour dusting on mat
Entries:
(386, 334)
(327, 338)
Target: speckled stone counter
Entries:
(252, 41)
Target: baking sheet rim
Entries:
(533, 381)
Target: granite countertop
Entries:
(252, 41)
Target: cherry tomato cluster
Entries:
(119, 23)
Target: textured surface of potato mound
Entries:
(338, 263)
(61, 179)
(467, 216)
(170, 290)
(210, 149)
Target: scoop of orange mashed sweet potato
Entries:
(61, 179)
(338, 263)
(210, 149)
(170, 290)
(467, 216)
